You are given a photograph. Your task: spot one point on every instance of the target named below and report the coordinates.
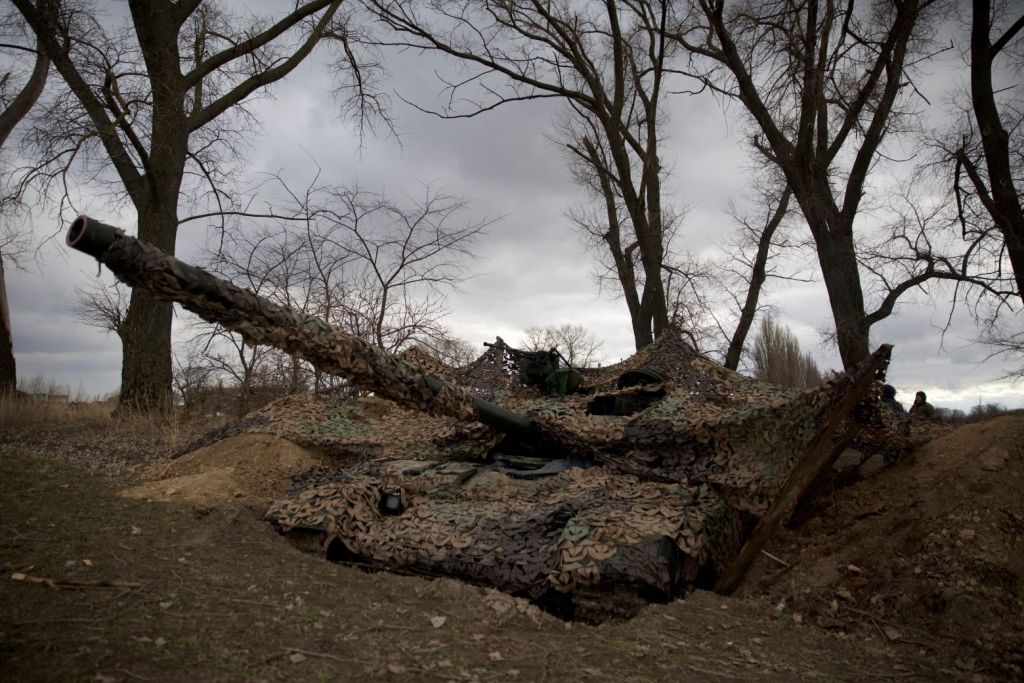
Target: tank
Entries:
(647, 478)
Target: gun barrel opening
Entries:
(90, 236)
(76, 230)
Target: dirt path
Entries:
(220, 596)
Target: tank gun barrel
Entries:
(260, 321)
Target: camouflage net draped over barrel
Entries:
(262, 322)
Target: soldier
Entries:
(889, 398)
(921, 407)
(897, 421)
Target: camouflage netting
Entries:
(708, 424)
(359, 428)
(685, 459)
(579, 528)
(725, 440)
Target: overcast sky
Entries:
(531, 269)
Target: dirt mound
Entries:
(247, 468)
(930, 551)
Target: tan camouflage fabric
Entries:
(357, 428)
(581, 528)
(672, 490)
(712, 426)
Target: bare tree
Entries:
(399, 259)
(694, 290)
(451, 350)
(16, 102)
(1009, 344)
(756, 244)
(279, 261)
(714, 299)
(250, 259)
(375, 267)
(991, 154)
(576, 343)
(192, 377)
(225, 354)
(824, 83)
(607, 61)
(162, 104)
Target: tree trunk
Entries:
(8, 372)
(642, 324)
(653, 242)
(842, 281)
(146, 343)
(15, 111)
(1013, 234)
(146, 366)
(244, 392)
(654, 293)
(295, 376)
(1006, 207)
(833, 239)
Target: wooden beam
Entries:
(819, 455)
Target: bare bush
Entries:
(576, 343)
(985, 411)
(103, 307)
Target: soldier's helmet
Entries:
(888, 391)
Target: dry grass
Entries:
(18, 411)
(165, 432)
